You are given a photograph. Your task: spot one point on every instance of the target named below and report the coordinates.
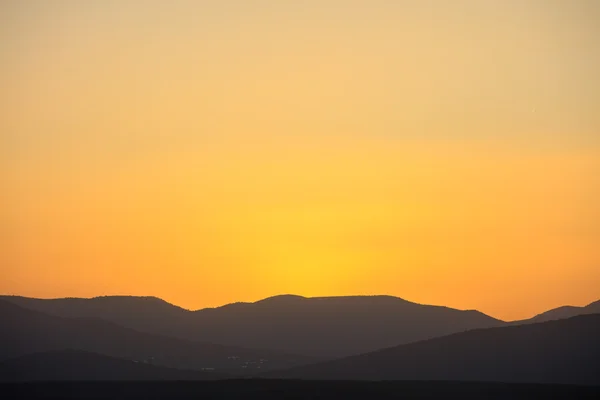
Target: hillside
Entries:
(563, 352)
(26, 331)
(74, 365)
(566, 312)
(323, 327)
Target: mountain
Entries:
(26, 331)
(565, 312)
(147, 314)
(73, 365)
(332, 326)
(323, 327)
(561, 352)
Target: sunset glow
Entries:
(207, 152)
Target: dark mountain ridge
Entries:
(567, 312)
(77, 365)
(137, 312)
(561, 352)
(324, 327)
(27, 331)
(561, 313)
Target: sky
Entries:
(208, 152)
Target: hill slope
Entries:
(325, 327)
(333, 326)
(565, 351)
(146, 314)
(72, 365)
(26, 331)
(565, 312)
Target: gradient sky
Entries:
(205, 152)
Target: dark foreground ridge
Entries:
(76, 365)
(555, 352)
(289, 389)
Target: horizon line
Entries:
(279, 296)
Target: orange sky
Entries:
(210, 152)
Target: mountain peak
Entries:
(281, 298)
(363, 297)
(294, 297)
(133, 300)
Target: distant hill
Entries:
(147, 314)
(27, 331)
(74, 365)
(563, 352)
(563, 312)
(333, 326)
(324, 327)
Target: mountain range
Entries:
(356, 337)
(28, 331)
(322, 327)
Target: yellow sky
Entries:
(215, 151)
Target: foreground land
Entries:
(290, 389)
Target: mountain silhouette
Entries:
(27, 331)
(323, 327)
(147, 314)
(561, 352)
(333, 326)
(564, 312)
(76, 365)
